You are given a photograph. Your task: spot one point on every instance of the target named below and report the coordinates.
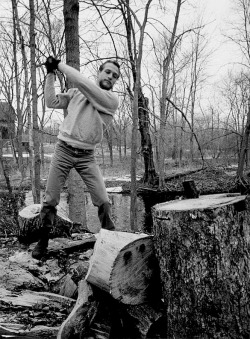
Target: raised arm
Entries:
(52, 99)
(103, 100)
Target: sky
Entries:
(217, 14)
(221, 13)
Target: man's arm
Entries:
(51, 99)
(104, 101)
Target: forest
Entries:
(171, 111)
(184, 113)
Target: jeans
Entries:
(64, 159)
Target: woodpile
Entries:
(27, 302)
(121, 286)
(203, 250)
(78, 308)
(97, 315)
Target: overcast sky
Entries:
(221, 14)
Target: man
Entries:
(90, 105)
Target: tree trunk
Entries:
(146, 143)
(123, 264)
(244, 145)
(77, 211)
(135, 62)
(203, 251)
(108, 134)
(16, 28)
(36, 155)
(163, 113)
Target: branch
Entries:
(111, 36)
(191, 128)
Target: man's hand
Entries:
(51, 64)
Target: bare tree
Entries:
(34, 141)
(16, 28)
(140, 103)
(241, 37)
(163, 103)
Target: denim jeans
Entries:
(64, 159)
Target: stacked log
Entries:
(203, 249)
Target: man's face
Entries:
(108, 76)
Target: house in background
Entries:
(7, 122)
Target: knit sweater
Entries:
(89, 108)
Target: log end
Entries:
(133, 273)
(124, 265)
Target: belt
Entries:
(76, 150)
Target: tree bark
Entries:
(150, 174)
(77, 211)
(36, 155)
(109, 137)
(203, 249)
(244, 146)
(16, 28)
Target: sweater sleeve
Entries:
(103, 100)
(52, 100)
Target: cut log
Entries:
(80, 317)
(98, 315)
(203, 249)
(123, 264)
(30, 223)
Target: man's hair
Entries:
(109, 62)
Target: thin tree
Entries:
(34, 141)
(140, 103)
(163, 101)
(16, 28)
(242, 39)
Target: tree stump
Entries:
(190, 190)
(30, 223)
(203, 249)
(124, 265)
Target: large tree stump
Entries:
(203, 249)
(123, 264)
(30, 223)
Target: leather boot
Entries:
(41, 247)
(104, 214)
